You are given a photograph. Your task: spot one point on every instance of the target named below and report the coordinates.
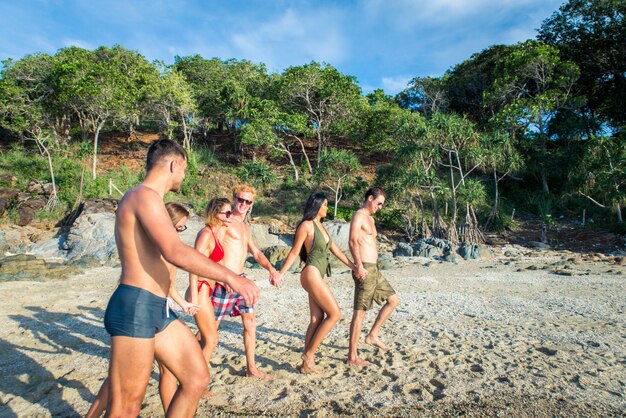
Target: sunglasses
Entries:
(227, 213)
(242, 200)
(181, 228)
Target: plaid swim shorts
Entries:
(225, 304)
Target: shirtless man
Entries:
(237, 242)
(374, 287)
(137, 317)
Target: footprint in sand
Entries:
(393, 377)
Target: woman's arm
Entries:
(188, 307)
(342, 257)
(298, 241)
(204, 244)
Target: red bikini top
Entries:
(218, 251)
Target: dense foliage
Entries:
(539, 121)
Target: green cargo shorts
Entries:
(374, 288)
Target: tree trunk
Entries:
(95, 148)
(319, 143)
(186, 140)
(337, 197)
(293, 164)
(618, 212)
(544, 180)
(306, 157)
(494, 209)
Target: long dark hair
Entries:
(311, 209)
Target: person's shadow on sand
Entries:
(65, 332)
(25, 378)
(59, 333)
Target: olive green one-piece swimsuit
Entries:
(319, 256)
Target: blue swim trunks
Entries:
(135, 312)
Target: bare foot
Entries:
(308, 365)
(207, 395)
(376, 342)
(358, 362)
(259, 375)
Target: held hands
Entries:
(276, 279)
(360, 272)
(190, 308)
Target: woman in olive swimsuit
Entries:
(217, 217)
(314, 245)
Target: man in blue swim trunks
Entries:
(137, 317)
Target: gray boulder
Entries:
(538, 245)
(92, 235)
(277, 255)
(385, 262)
(49, 249)
(339, 231)
(443, 244)
(468, 251)
(422, 249)
(403, 250)
(3, 242)
(263, 238)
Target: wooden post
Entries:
(584, 216)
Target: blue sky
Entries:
(383, 43)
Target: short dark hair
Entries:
(375, 192)
(162, 148)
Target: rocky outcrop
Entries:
(29, 267)
(442, 249)
(92, 236)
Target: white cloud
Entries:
(77, 42)
(406, 15)
(294, 38)
(394, 85)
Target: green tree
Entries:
(225, 91)
(426, 95)
(377, 124)
(500, 159)
(335, 167)
(103, 86)
(460, 154)
(602, 174)
(279, 132)
(327, 97)
(466, 84)
(25, 106)
(591, 34)
(174, 105)
(532, 85)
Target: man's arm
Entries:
(156, 223)
(259, 257)
(355, 229)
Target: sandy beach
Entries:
(481, 338)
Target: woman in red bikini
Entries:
(217, 217)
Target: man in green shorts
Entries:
(374, 287)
